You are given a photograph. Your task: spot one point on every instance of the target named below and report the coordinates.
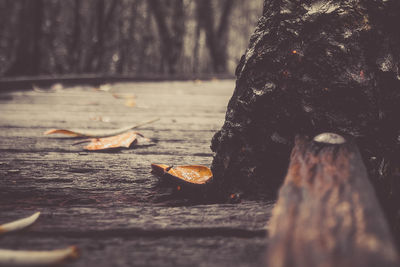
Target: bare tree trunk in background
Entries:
(84, 36)
(313, 67)
(99, 47)
(95, 61)
(123, 42)
(217, 35)
(146, 40)
(131, 41)
(28, 52)
(171, 35)
(196, 49)
(74, 47)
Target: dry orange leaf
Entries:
(62, 131)
(130, 102)
(188, 174)
(123, 96)
(121, 140)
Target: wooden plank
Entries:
(327, 213)
(147, 219)
(13, 83)
(109, 204)
(179, 106)
(84, 179)
(152, 251)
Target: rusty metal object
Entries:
(327, 212)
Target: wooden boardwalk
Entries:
(109, 204)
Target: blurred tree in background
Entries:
(130, 37)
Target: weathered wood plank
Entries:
(183, 147)
(176, 124)
(151, 251)
(25, 83)
(327, 213)
(109, 204)
(57, 178)
(147, 219)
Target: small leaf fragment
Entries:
(130, 102)
(63, 131)
(57, 87)
(36, 258)
(123, 96)
(19, 224)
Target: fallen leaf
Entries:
(57, 87)
(105, 87)
(123, 96)
(188, 174)
(97, 133)
(19, 224)
(66, 132)
(197, 81)
(29, 258)
(121, 140)
(130, 102)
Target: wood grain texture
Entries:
(109, 204)
(327, 213)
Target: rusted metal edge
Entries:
(327, 213)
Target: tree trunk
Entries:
(171, 34)
(196, 49)
(75, 52)
(95, 61)
(313, 67)
(216, 34)
(28, 52)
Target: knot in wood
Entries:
(330, 138)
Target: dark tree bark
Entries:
(171, 30)
(104, 15)
(327, 213)
(217, 35)
(314, 66)
(196, 49)
(126, 42)
(75, 40)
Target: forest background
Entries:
(124, 37)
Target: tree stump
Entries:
(327, 213)
(315, 66)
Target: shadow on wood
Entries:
(327, 213)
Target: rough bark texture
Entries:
(315, 66)
(28, 57)
(217, 34)
(171, 35)
(327, 213)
